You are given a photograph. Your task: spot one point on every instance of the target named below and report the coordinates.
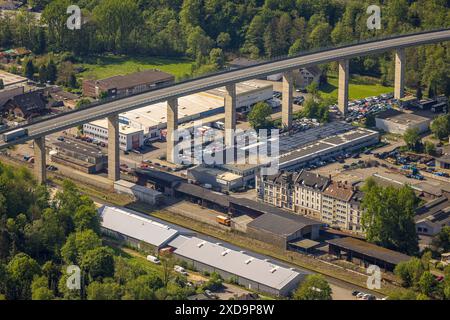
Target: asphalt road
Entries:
(67, 121)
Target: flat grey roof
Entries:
(138, 226)
(203, 193)
(400, 117)
(370, 250)
(79, 147)
(329, 143)
(237, 263)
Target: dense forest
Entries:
(40, 236)
(209, 30)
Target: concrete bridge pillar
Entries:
(399, 90)
(113, 148)
(39, 160)
(230, 114)
(172, 127)
(286, 108)
(343, 86)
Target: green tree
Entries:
(40, 290)
(52, 71)
(441, 241)
(43, 73)
(403, 295)
(388, 216)
(410, 272)
(314, 287)
(412, 139)
(427, 283)
(86, 217)
(441, 127)
(73, 81)
(142, 288)
(78, 244)
(430, 148)
(106, 290)
(258, 116)
(216, 57)
(214, 283)
(98, 263)
(223, 40)
(29, 69)
(21, 270)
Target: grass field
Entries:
(357, 89)
(100, 67)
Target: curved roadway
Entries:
(64, 122)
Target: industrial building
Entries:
(151, 234)
(10, 92)
(127, 84)
(10, 79)
(433, 216)
(143, 194)
(152, 119)
(443, 162)
(129, 137)
(365, 253)
(138, 230)
(394, 121)
(323, 143)
(78, 155)
(251, 272)
(215, 178)
(274, 225)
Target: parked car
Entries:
(180, 270)
(211, 295)
(153, 259)
(360, 295)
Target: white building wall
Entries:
(400, 128)
(101, 134)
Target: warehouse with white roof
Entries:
(253, 273)
(151, 234)
(138, 230)
(209, 106)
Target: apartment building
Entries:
(341, 206)
(299, 192)
(338, 204)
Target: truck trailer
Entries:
(15, 134)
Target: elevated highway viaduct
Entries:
(228, 79)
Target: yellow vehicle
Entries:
(223, 220)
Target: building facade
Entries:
(341, 207)
(305, 76)
(129, 138)
(299, 192)
(394, 121)
(337, 204)
(127, 84)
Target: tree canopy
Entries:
(388, 216)
(314, 287)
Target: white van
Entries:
(153, 259)
(180, 269)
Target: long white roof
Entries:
(138, 226)
(237, 262)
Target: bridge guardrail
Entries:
(228, 70)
